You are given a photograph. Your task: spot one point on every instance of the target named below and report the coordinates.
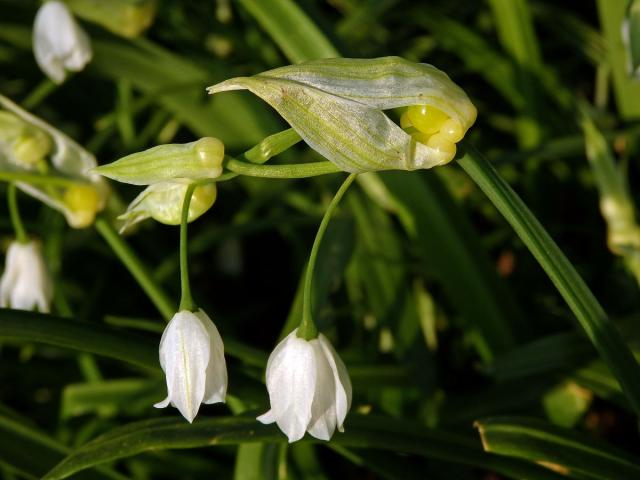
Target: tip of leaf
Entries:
(227, 85)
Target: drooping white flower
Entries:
(26, 283)
(309, 388)
(192, 357)
(59, 43)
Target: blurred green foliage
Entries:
(442, 315)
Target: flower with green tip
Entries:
(192, 358)
(26, 283)
(309, 388)
(59, 43)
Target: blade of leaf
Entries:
(601, 331)
(360, 432)
(626, 89)
(290, 27)
(32, 452)
(563, 450)
(449, 246)
(86, 337)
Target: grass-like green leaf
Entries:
(85, 337)
(602, 332)
(449, 245)
(360, 432)
(560, 449)
(31, 452)
(290, 27)
(625, 88)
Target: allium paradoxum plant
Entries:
(180, 179)
(336, 106)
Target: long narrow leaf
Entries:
(601, 331)
(360, 432)
(563, 450)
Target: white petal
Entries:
(343, 390)
(216, 374)
(184, 355)
(163, 404)
(291, 380)
(323, 421)
(267, 418)
(58, 41)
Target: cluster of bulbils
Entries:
(308, 384)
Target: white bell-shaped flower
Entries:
(309, 388)
(192, 357)
(59, 43)
(26, 283)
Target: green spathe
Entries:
(192, 161)
(336, 106)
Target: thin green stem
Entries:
(135, 266)
(42, 91)
(186, 300)
(300, 170)
(602, 332)
(307, 329)
(14, 213)
(38, 179)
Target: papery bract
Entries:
(26, 282)
(336, 106)
(192, 357)
(59, 43)
(309, 388)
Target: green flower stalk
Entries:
(49, 166)
(336, 106)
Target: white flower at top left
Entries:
(192, 357)
(26, 283)
(59, 43)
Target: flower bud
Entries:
(163, 202)
(27, 142)
(23, 144)
(336, 105)
(191, 161)
(127, 18)
(59, 43)
(83, 202)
